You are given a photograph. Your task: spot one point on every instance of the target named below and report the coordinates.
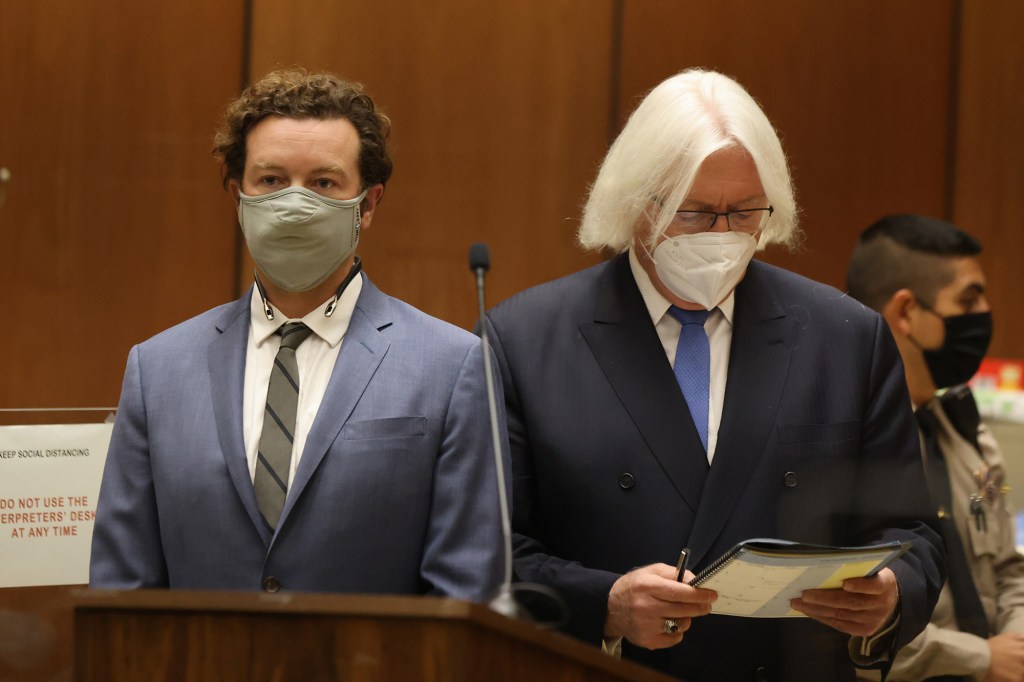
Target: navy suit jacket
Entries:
(817, 444)
(395, 491)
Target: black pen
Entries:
(684, 557)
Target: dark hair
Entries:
(906, 252)
(297, 94)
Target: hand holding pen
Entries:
(684, 559)
(653, 606)
(671, 626)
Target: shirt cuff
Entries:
(612, 646)
(875, 648)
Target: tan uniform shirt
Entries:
(997, 567)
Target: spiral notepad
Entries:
(758, 577)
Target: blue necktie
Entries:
(693, 366)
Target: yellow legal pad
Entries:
(757, 578)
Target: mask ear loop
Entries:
(928, 309)
(643, 245)
(653, 237)
(357, 264)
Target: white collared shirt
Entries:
(315, 358)
(719, 331)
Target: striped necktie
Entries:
(274, 458)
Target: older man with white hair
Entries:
(682, 394)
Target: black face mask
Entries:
(965, 346)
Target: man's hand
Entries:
(1007, 652)
(641, 600)
(860, 608)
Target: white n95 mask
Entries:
(297, 237)
(704, 268)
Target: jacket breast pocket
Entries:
(388, 428)
(983, 540)
(987, 532)
(837, 437)
(836, 432)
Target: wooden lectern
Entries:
(177, 635)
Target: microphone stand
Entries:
(503, 602)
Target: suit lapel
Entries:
(361, 353)
(227, 376)
(629, 352)
(758, 363)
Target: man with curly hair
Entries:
(316, 434)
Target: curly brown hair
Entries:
(294, 93)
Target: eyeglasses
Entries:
(748, 220)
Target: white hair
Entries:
(650, 168)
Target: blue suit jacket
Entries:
(816, 444)
(395, 491)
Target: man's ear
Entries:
(369, 204)
(235, 190)
(897, 311)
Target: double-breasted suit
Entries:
(816, 444)
(395, 491)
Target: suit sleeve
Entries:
(126, 547)
(585, 590)
(464, 553)
(894, 498)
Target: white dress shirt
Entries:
(719, 330)
(315, 358)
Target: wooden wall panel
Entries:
(859, 92)
(989, 184)
(500, 113)
(115, 226)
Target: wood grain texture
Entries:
(115, 225)
(989, 172)
(155, 635)
(36, 633)
(500, 114)
(859, 93)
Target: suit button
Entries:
(761, 674)
(790, 479)
(626, 481)
(271, 584)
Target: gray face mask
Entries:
(297, 237)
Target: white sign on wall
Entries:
(49, 481)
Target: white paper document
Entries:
(757, 578)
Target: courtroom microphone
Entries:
(504, 603)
